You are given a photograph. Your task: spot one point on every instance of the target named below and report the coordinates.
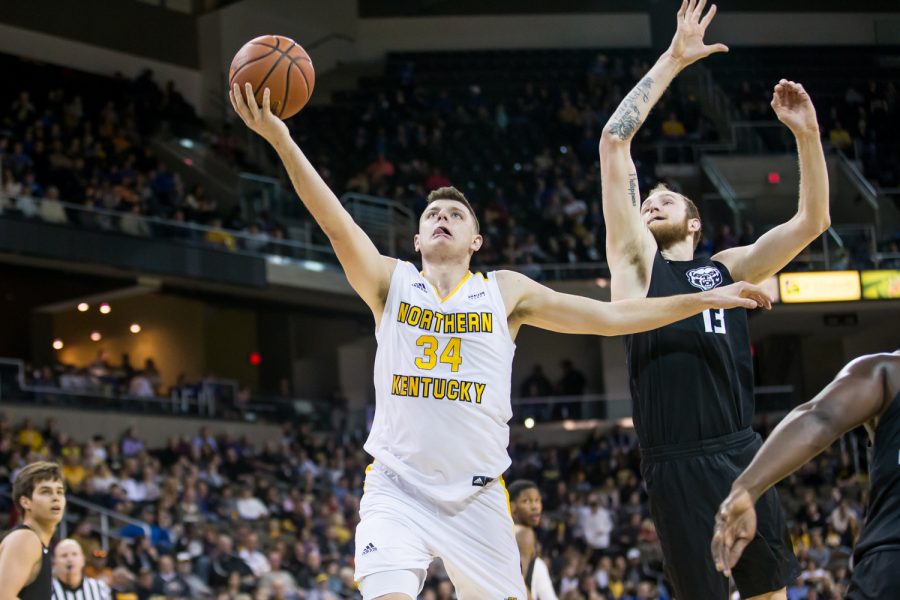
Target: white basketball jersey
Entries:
(442, 384)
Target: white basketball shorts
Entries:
(401, 528)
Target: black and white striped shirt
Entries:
(90, 589)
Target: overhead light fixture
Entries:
(95, 336)
(529, 423)
(58, 344)
(135, 328)
(105, 308)
(83, 306)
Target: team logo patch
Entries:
(481, 480)
(420, 286)
(705, 278)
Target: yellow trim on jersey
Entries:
(368, 468)
(456, 289)
(506, 491)
(483, 276)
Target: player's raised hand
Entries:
(687, 45)
(794, 107)
(735, 528)
(258, 118)
(738, 295)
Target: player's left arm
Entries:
(530, 303)
(777, 247)
(854, 397)
(526, 541)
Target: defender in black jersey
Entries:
(865, 392)
(25, 562)
(692, 381)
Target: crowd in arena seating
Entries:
(86, 140)
(524, 150)
(222, 518)
(526, 154)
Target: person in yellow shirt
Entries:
(73, 472)
(30, 437)
(673, 128)
(839, 137)
(217, 235)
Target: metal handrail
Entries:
(292, 248)
(105, 515)
(863, 185)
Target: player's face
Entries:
(68, 558)
(665, 215)
(447, 229)
(527, 508)
(48, 502)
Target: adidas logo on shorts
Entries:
(370, 547)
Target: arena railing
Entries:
(211, 397)
(140, 226)
(616, 407)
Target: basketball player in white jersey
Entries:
(442, 380)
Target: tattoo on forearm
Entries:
(632, 188)
(627, 118)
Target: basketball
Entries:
(280, 64)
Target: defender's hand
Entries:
(687, 46)
(794, 108)
(738, 295)
(735, 528)
(259, 119)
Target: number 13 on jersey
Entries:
(714, 320)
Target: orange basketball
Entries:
(277, 63)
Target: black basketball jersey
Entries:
(40, 588)
(691, 380)
(882, 528)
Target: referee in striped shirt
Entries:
(69, 582)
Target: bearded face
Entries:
(665, 215)
(669, 232)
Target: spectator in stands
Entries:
(572, 382)
(595, 523)
(725, 238)
(839, 137)
(167, 581)
(196, 587)
(673, 128)
(536, 384)
(218, 236)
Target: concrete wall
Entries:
(804, 29)
(378, 36)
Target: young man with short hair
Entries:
(25, 562)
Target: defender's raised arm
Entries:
(629, 245)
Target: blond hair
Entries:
(451, 193)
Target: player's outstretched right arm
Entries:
(20, 552)
(367, 270)
(629, 244)
(856, 396)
